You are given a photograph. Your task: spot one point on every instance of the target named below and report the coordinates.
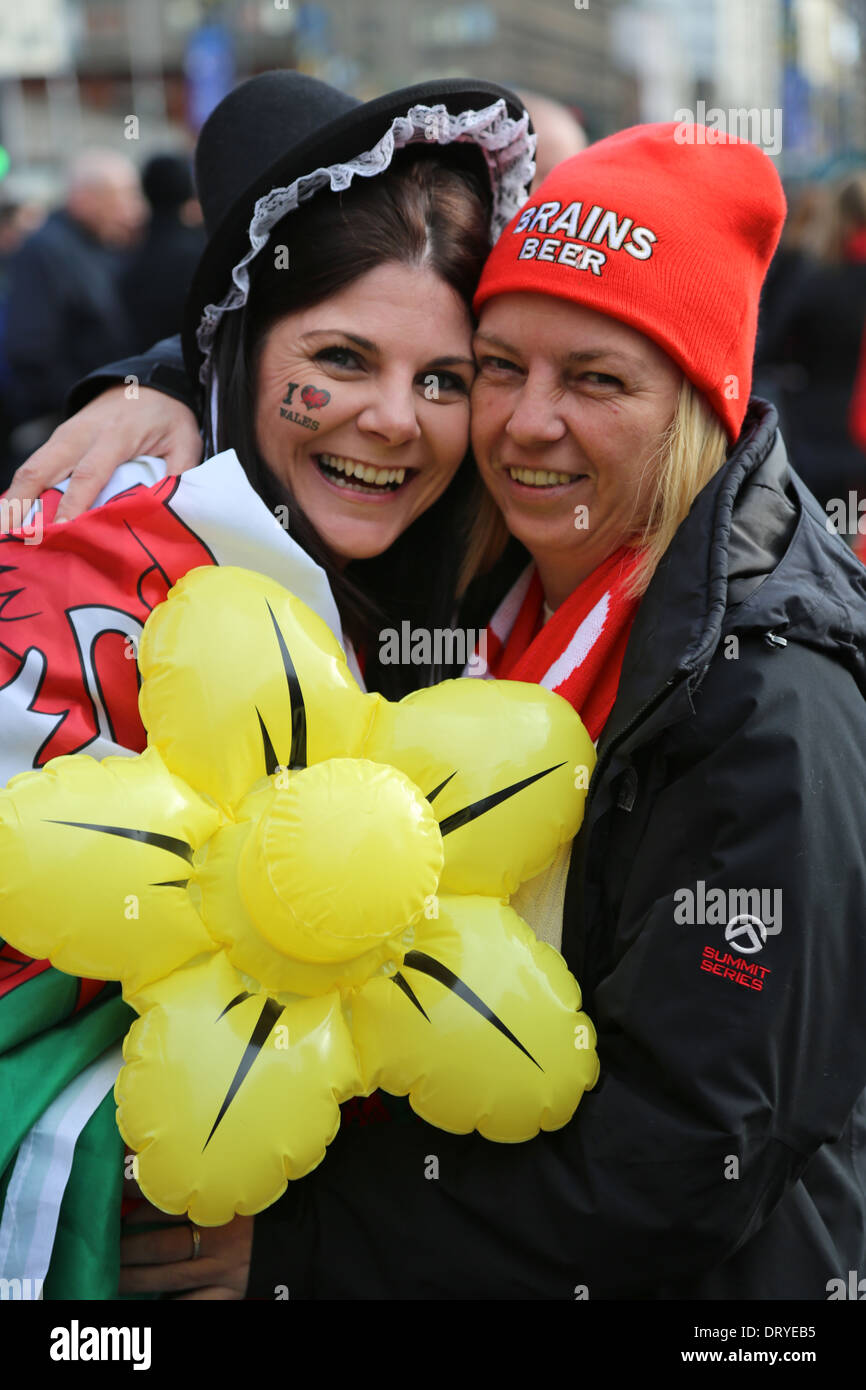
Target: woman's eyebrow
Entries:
(593, 354)
(342, 333)
(586, 355)
(452, 362)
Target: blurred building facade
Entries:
(72, 72)
(805, 59)
(543, 45)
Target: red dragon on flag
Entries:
(72, 609)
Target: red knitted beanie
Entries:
(669, 228)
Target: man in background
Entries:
(155, 283)
(64, 313)
(560, 134)
(18, 221)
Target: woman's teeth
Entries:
(539, 477)
(339, 470)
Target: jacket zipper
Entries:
(598, 772)
(651, 704)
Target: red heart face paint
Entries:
(314, 398)
(297, 419)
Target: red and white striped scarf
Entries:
(579, 651)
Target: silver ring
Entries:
(196, 1240)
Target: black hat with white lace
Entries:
(282, 136)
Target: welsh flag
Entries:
(73, 604)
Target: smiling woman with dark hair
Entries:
(380, 490)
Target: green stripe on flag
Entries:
(33, 1074)
(86, 1259)
(35, 1005)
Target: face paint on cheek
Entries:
(315, 397)
(296, 419)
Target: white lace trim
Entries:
(507, 145)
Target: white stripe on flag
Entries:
(42, 1167)
(219, 504)
(581, 644)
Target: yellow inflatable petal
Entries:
(506, 766)
(481, 1027)
(239, 678)
(225, 1095)
(94, 859)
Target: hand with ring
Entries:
(182, 1259)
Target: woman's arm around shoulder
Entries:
(143, 406)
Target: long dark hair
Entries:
(421, 211)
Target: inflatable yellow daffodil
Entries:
(304, 891)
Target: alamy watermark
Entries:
(15, 515)
(732, 908)
(847, 517)
(438, 646)
(21, 1290)
(760, 125)
(854, 1287)
(77, 1343)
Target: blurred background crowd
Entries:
(101, 100)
